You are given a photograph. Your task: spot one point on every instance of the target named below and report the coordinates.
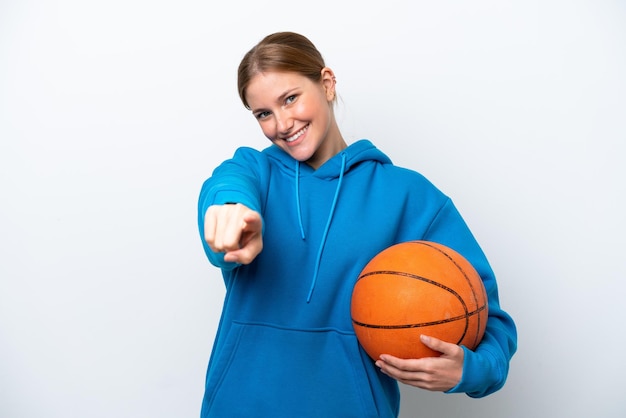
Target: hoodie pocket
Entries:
(268, 371)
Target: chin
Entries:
(300, 155)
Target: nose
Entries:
(284, 122)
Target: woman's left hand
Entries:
(431, 373)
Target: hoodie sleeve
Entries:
(486, 368)
(237, 180)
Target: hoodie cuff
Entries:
(480, 374)
(224, 197)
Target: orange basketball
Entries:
(414, 288)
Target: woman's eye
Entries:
(290, 99)
(262, 115)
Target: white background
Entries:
(112, 114)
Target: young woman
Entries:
(291, 227)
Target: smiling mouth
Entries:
(297, 134)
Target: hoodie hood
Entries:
(333, 169)
(358, 152)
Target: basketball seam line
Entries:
(422, 324)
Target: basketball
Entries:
(415, 288)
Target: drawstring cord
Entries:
(298, 199)
(330, 218)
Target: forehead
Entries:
(272, 85)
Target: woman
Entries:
(291, 227)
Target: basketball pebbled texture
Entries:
(414, 288)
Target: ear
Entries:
(329, 81)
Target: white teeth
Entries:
(297, 134)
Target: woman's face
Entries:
(296, 114)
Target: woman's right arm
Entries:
(230, 209)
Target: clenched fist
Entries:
(234, 230)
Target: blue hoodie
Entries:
(285, 346)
